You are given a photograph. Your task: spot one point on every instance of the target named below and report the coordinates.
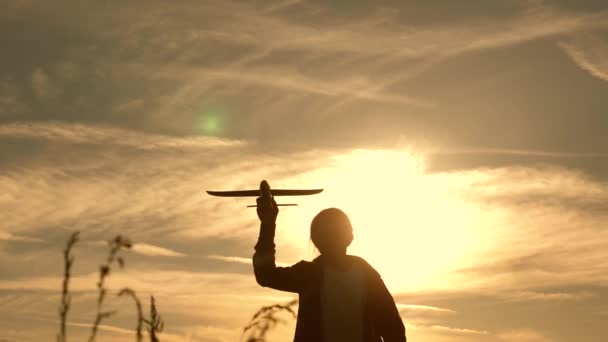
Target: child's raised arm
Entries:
(266, 272)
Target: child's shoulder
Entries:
(363, 263)
(358, 259)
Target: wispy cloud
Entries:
(534, 186)
(525, 335)
(516, 152)
(119, 332)
(151, 250)
(416, 307)
(10, 102)
(159, 282)
(102, 327)
(297, 59)
(589, 52)
(161, 195)
(381, 27)
(205, 306)
(42, 85)
(280, 5)
(6, 236)
(378, 37)
(354, 87)
(525, 296)
(452, 330)
(109, 135)
(129, 106)
(240, 260)
(128, 184)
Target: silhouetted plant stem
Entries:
(155, 323)
(116, 245)
(140, 316)
(66, 298)
(265, 319)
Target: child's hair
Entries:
(331, 228)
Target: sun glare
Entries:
(411, 226)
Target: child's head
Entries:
(331, 231)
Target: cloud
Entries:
(531, 221)
(516, 152)
(154, 192)
(42, 84)
(303, 61)
(10, 102)
(281, 5)
(6, 236)
(118, 333)
(452, 330)
(415, 307)
(377, 32)
(154, 281)
(589, 52)
(102, 327)
(366, 73)
(543, 186)
(526, 296)
(241, 260)
(376, 37)
(128, 183)
(129, 106)
(109, 135)
(151, 250)
(525, 335)
(353, 87)
(203, 305)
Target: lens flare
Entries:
(211, 122)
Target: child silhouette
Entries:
(342, 297)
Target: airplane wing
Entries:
(256, 193)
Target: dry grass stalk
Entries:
(116, 244)
(265, 319)
(140, 316)
(155, 324)
(66, 298)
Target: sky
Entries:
(467, 141)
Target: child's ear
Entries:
(350, 238)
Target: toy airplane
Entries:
(265, 191)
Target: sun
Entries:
(414, 228)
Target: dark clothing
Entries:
(381, 320)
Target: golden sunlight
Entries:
(414, 228)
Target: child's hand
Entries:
(267, 209)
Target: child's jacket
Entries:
(381, 320)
